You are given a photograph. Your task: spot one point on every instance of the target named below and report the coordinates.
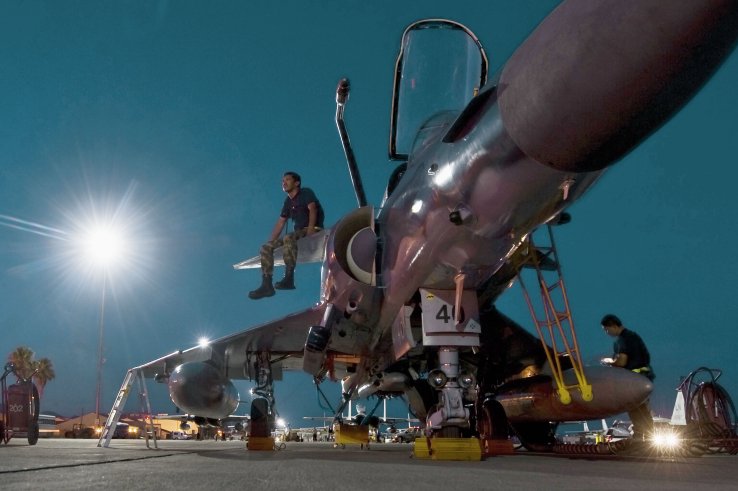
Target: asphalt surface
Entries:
(127, 464)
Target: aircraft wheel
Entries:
(492, 421)
(260, 418)
(449, 432)
(537, 436)
(33, 433)
(421, 397)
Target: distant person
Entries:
(304, 209)
(630, 352)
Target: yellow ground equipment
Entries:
(440, 448)
(351, 434)
(260, 443)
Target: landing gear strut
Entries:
(450, 322)
(450, 416)
(262, 407)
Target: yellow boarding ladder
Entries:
(554, 324)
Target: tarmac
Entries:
(67, 464)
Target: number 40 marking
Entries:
(444, 316)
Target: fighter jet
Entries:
(408, 290)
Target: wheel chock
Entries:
(492, 447)
(260, 443)
(440, 448)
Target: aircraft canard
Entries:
(310, 249)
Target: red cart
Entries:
(20, 408)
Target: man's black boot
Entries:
(288, 282)
(265, 290)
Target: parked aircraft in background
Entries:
(224, 422)
(371, 419)
(407, 304)
(606, 433)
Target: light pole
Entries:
(103, 245)
(98, 390)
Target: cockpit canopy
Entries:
(441, 67)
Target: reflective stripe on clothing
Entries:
(646, 372)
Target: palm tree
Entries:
(22, 358)
(44, 372)
(25, 366)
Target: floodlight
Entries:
(103, 245)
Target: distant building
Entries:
(134, 424)
(82, 426)
(164, 427)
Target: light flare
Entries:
(104, 245)
(666, 439)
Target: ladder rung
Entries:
(553, 286)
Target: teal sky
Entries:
(179, 117)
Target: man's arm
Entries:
(617, 360)
(313, 218)
(277, 230)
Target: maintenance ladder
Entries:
(554, 324)
(119, 404)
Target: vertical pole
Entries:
(98, 391)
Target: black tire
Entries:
(421, 397)
(33, 429)
(492, 421)
(537, 436)
(260, 418)
(33, 433)
(36, 402)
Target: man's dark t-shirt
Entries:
(297, 209)
(632, 345)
